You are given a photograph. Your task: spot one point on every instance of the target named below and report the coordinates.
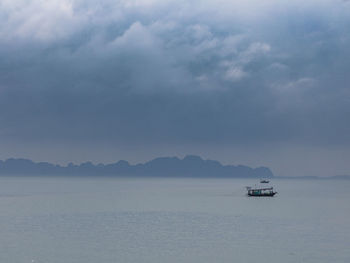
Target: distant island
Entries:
(190, 166)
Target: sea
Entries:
(77, 219)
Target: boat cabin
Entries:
(260, 191)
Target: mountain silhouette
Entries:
(190, 166)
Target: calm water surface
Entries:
(83, 220)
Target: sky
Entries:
(259, 83)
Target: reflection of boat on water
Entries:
(260, 191)
(264, 181)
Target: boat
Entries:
(256, 191)
(264, 181)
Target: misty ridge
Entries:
(189, 166)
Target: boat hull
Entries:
(262, 195)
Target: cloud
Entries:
(175, 72)
(38, 20)
(235, 74)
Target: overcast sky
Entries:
(244, 82)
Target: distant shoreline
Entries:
(104, 175)
(335, 177)
(190, 166)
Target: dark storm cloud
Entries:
(139, 72)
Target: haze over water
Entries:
(89, 219)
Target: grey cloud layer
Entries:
(170, 71)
